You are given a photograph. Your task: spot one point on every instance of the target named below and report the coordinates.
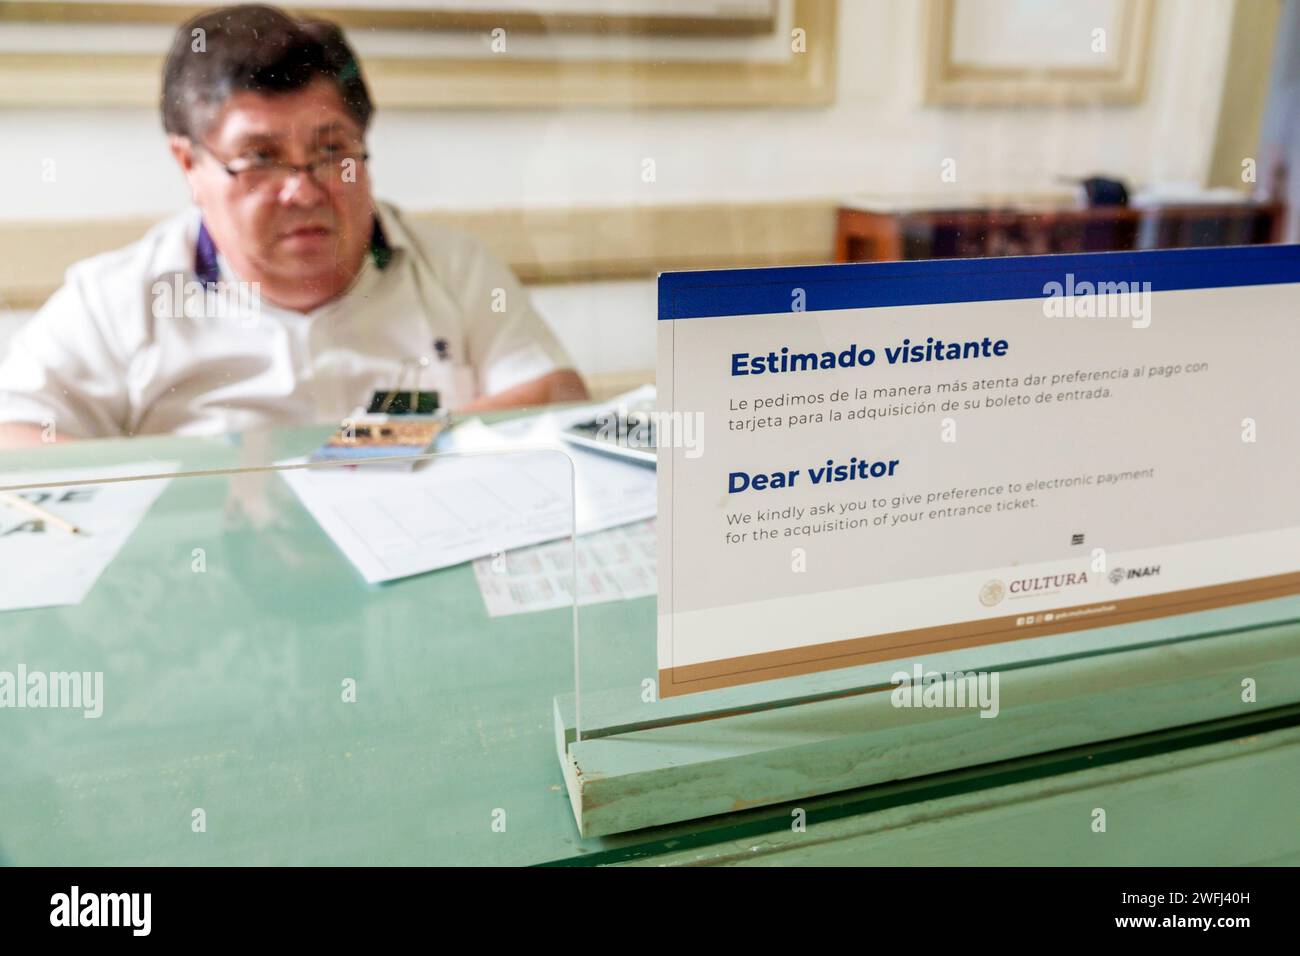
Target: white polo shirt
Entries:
(116, 352)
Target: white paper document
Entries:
(516, 490)
(613, 565)
(608, 492)
(45, 565)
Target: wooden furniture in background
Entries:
(869, 234)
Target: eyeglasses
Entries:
(272, 174)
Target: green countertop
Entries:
(223, 691)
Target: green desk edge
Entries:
(222, 694)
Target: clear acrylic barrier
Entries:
(583, 147)
(618, 674)
(231, 689)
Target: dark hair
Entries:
(257, 49)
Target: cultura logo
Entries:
(992, 592)
(1049, 582)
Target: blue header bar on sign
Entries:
(691, 295)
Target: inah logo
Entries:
(102, 909)
(1127, 574)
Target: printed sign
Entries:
(895, 459)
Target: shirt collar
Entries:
(208, 269)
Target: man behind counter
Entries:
(312, 294)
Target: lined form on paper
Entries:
(613, 565)
(454, 508)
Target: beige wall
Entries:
(878, 138)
